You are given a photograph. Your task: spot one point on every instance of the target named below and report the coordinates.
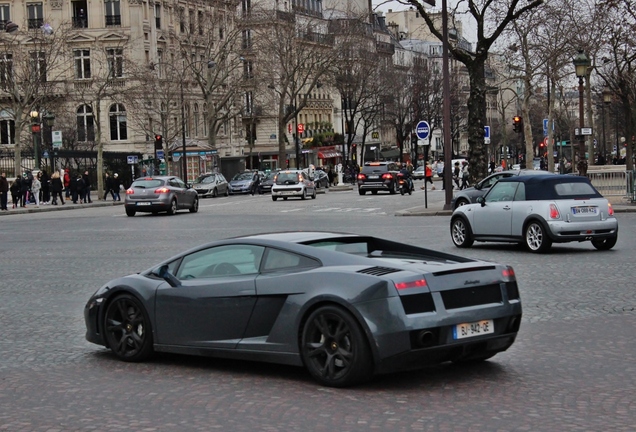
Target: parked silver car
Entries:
(161, 193)
(537, 211)
(470, 195)
(293, 183)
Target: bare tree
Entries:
(491, 19)
(32, 73)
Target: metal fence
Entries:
(77, 161)
(613, 181)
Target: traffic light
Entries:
(517, 124)
(158, 142)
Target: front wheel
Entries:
(130, 212)
(274, 198)
(215, 193)
(195, 206)
(127, 329)
(461, 234)
(605, 244)
(334, 349)
(361, 192)
(536, 238)
(313, 196)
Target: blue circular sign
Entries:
(422, 130)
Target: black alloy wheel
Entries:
(334, 348)
(127, 329)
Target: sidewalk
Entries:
(68, 205)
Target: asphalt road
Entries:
(572, 368)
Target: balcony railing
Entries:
(114, 20)
(80, 22)
(35, 23)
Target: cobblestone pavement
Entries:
(572, 368)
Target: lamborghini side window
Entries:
(277, 259)
(221, 261)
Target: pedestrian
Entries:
(66, 181)
(108, 187)
(428, 175)
(330, 176)
(77, 188)
(4, 191)
(16, 187)
(46, 187)
(87, 187)
(456, 174)
(36, 186)
(116, 184)
(25, 187)
(465, 175)
(56, 187)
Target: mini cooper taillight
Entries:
(554, 212)
(162, 190)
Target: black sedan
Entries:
(343, 306)
(160, 193)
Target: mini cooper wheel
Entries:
(173, 207)
(130, 212)
(605, 244)
(334, 348)
(195, 206)
(536, 238)
(460, 233)
(127, 329)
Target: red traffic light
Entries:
(516, 119)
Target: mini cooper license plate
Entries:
(584, 210)
(478, 328)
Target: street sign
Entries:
(132, 160)
(45, 154)
(375, 135)
(56, 139)
(487, 132)
(584, 131)
(545, 127)
(301, 128)
(160, 154)
(422, 130)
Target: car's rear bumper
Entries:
(148, 206)
(291, 192)
(377, 186)
(561, 231)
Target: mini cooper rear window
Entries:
(574, 189)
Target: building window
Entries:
(191, 21)
(205, 120)
(115, 58)
(157, 16)
(182, 24)
(248, 73)
(118, 128)
(187, 122)
(200, 22)
(196, 120)
(4, 16)
(7, 132)
(112, 12)
(246, 7)
(35, 15)
(82, 64)
(248, 103)
(80, 20)
(38, 66)
(6, 69)
(85, 124)
(247, 39)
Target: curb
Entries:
(51, 208)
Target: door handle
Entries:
(507, 208)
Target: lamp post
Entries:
(49, 121)
(35, 128)
(581, 64)
(607, 99)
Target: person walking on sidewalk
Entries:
(87, 187)
(15, 191)
(36, 185)
(56, 187)
(116, 184)
(25, 187)
(4, 191)
(46, 187)
(108, 187)
(66, 181)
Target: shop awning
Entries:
(329, 154)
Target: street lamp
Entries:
(581, 64)
(607, 99)
(35, 128)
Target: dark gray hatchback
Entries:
(378, 176)
(162, 193)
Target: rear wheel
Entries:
(361, 192)
(127, 329)
(313, 196)
(227, 192)
(536, 238)
(130, 212)
(460, 233)
(274, 198)
(195, 206)
(173, 207)
(334, 348)
(605, 244)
